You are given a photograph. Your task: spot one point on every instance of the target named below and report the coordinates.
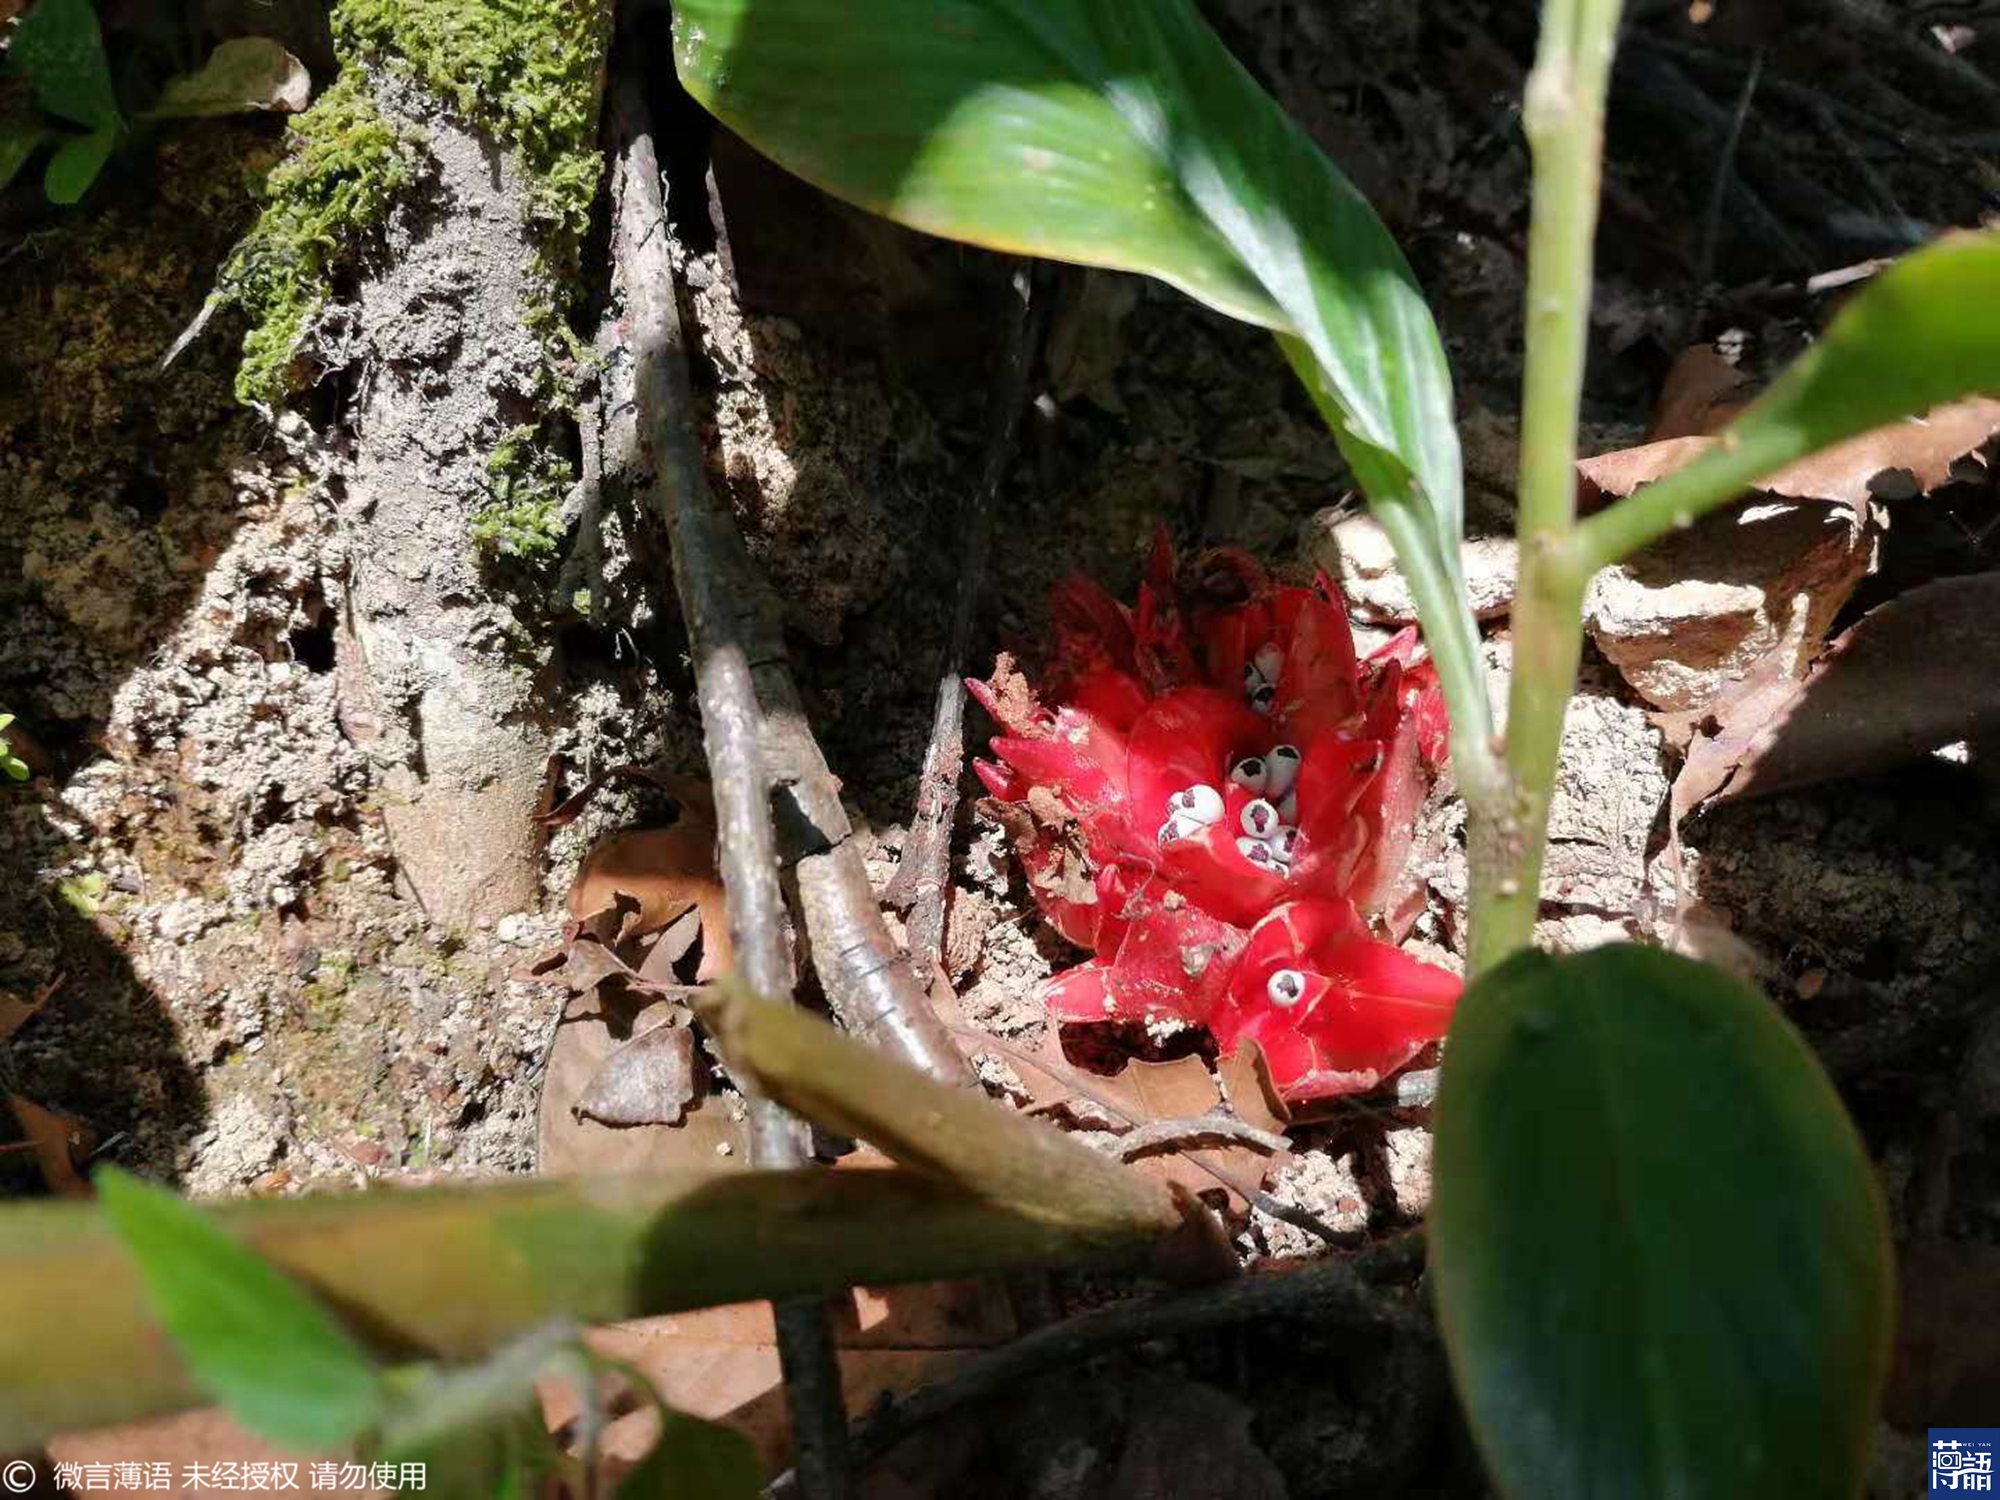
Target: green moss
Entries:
(344, 169)
(528, 71)
(528, 481)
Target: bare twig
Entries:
(1079, 1083)
(1331, 1291)
(1157, 1135)
(731, 723)
(867, 983)
(924, 876)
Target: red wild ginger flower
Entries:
(1212, 789)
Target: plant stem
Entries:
(1563, 115)
(456, 1273)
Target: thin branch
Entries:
(1079, 1083)
(1332, 1291)
(924, 876)
(867, 982)
(1157, 1135)
(731, 724)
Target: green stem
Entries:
(1563, 115)
(1738, 460)
(455, 1273)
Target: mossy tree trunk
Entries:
(457, 247)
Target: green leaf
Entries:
(248, 73)
(1924, 332)
(1661, 1258)
(59, 48)
(693, 1457)
(255, 1340)
(1113, 133)
(76, 163)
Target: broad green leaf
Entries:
(1660, 1256)
(60, 50)
(76, 163)
(248, 73)
(1924, 332)
(1112, 133)
(255, 1339)
(694, 1457)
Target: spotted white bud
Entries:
(1250, 773)
(1286, 988)
(1263, 699)
(1269, 661)
(1252, 678)
(1283, 843)
(1284, 761)
(1179, 826)
(1202, 803)
(1259, 819)
(1257, 852)
(1288, 808)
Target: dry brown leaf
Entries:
(1912, 675)
(17, 1010)
(722, 1362)
(59, 1143)
(648, 1080)
(1904, 459)
(1701, 394)
(707, 1139)
(1185, 1089)
(693, 795)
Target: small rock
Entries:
(1695, 611)
(1356, 550)
(512, 928)
(1409, 1158)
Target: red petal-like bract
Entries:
(1195, 891)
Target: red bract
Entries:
(1211, 773)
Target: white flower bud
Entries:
(1257, 852)
(1283, 843)
(1250, 773)
(1264, 698)
(1180, 825)
(1286, 988)
(1202, 803)
(1284, 761)
(1269, 661)
(1260, 819)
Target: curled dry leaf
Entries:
(654, 877)
(708, 1139)
(16, 1009)
(246, 74)
(1911, 676)
(650, 1079)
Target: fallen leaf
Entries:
(1897, 462)
(649, 1080)
(693, 795)
(1911, 676)
(667, 872)
(1702, 393)
(248, 73)
(16, 1009)
(708, 1139)
(59, 1144)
